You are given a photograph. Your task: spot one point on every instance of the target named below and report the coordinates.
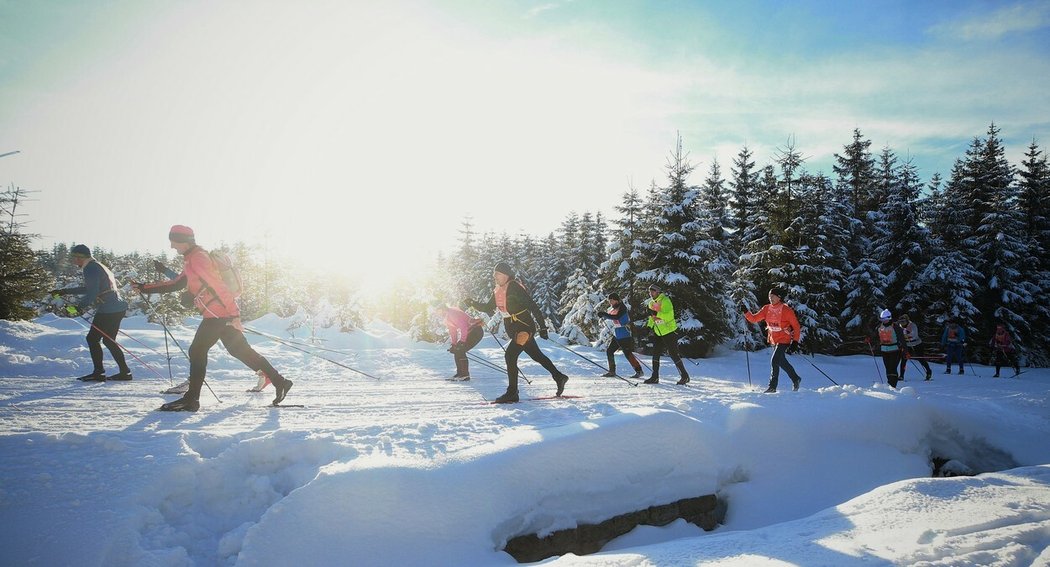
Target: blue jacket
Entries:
(621, 321)
(99, 289)
(959, 338)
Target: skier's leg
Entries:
(94, 340)
(672, 351)
(206, 336)
(109, 324)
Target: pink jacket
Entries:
(201, 278)
(459, 324)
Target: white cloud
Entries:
(1016, 18)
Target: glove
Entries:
(867, 340)
(543, 334)
(743, 308)
(72, 311)
(793, 347)
(159, 266)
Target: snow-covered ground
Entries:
(412, 469)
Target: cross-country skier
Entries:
(522, 320)
(665, 334)
(891, 346)
(99, 290)
(915, 349)
(783, 333)
(464, 332)
(622, 339)
(222, 319)
(953, 339)
(1003, 350)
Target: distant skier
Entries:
(99, 290)
(622, 339)
(1003, 350)
(665, 334)
(522, 320)
(891, 346)
(783, 332)
(915, 348)
(953, 339)
(464, 332)
(222, 321)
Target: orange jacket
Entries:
(781, 323)
(201, 278)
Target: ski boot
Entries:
(560, 379)
(181, 404)
(97, 376)
(122, 376)
(282, 390)
(508, 397)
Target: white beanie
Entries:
(885, 315)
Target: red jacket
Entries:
(781, 323)
(201, 278)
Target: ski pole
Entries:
(819, 370)
(592, 362)
(878, 377)
(747, 359)
(290, 345)
(164, 325)
(485, 362)
(520, 373)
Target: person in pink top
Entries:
(201, 279)
(465, 332)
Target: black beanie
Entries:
(777, 291)
(80, 250)
(504, 268)
(615, 296)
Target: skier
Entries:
(1003, 350)
(915, 348)
(953, 339)
(464, 332)
(222, 321)
(99, 290)
(522, 320)
(891, 346)
(622, 339)
(783, 332)
(662, 322)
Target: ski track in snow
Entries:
(380, 469)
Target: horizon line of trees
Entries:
(972, 247)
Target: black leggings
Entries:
(212, 331)
(459, 350)
(530, 348)
(916, 350)
(891, 359)
(776, 362)
(668, 342)
(627, 346)
(104, 329)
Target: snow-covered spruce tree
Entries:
(617, 270)
(758, 240)
(716, 307)
(547, 268)
(668, 256)
(22, 279)
(580, 322)
(1034, 206)
(745, 198)
(855, 175)
(821, 232)
(902, 246)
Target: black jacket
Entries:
(522, 308)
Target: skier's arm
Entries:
(487, 307)
(162, 287)
(756, 317)
(92, 283)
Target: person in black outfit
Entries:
(521, 319)
(99, 290)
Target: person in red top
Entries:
(222, 319)
(464, 332)
(784, 333)
(1003, 350)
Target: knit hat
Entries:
(181, 233)
(615, 296)
(777, 291)
(80, 251)
(654, 287)
(885, 315)
(504, 268)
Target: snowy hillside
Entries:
(411, 469)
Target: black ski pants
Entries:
(104, 329)
(890, 359)
(627, 346)
(915, 350)
(668, 342)
(779, 360)
(210, 332)
(459, 351)
(519, 344)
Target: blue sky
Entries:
(357, 135)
